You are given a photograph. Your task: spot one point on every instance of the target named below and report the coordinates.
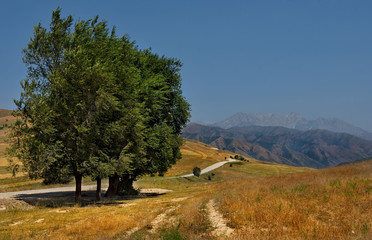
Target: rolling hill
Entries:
(313, 148)
(256, 200)
(5, 112)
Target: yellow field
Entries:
(256, 200)
(3, 138)
(197, 154)
(333, 203)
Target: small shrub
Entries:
(239, 157)
(196, 171)
(209, 177)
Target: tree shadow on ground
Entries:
(67, 199)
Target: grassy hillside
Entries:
(334, 203)
(6, 119)
(255, 200)
(5, 112)
(5, 123)
(197, 154)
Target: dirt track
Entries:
(62, 191)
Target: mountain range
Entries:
(314, 148)
(292, 121)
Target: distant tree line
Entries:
(93, 104)
(238, 157)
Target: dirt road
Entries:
(64, 190)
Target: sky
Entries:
(280, 56)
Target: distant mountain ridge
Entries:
(313, 148)
(293, 121)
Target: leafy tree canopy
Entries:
(93, 104)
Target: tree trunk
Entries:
(125, 186)
(78, 178)
(98, 193)
(113, 186)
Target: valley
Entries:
(249, 199)
(255, 200)
(186, 120)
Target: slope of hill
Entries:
(5, 112)
(6, 119)
(313, 148)
(332, 203)
(255, 200)
(294, 121)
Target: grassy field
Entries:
(257, 200)
(334, 203)
(5, 123)
(5, 113)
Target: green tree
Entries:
(196, 171)
(72, 89)
(165, 112)
(94, 105)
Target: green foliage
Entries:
(196, 171)
(236, 163)
(239, 157)
(172, 233)
(93, 104)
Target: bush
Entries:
(196, 171)
(238, 157)
(209, 177)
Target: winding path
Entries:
(53, 191)
(210, 168)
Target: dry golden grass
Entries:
(3, 138)
(91, 222)
(333, 203)
(7, 119)
(5, 113)
(196, 154)
(258, 200)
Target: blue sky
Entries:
(310, 57)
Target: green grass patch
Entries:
(172, 233)
(236, 163)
